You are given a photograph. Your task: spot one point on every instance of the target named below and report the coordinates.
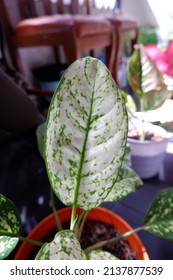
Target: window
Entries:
(163, 11)
(106, 4)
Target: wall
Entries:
(140, 11)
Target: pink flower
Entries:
(163, 59)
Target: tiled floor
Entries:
(23, 179)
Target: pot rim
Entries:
(149, 142)
(99, 213)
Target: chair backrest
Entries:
(12, 12)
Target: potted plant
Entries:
(148, 141)
(85, 143)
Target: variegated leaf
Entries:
(134, 74)
(155, 98)
(40, 133)
(127, 157)
(65, 246)
(160, 215)
(128, 181)
(9, 224)
(100, 255)
(146, 80)
(86, 134)
(7, 244)
(168, 126)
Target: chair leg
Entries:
(71, 48)
(117, 55)
(110, 54)
(16, 60)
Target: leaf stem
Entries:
(73, 217)
(31, 241)
(58, 222)
(106, 242)
(84, 217)
(142, 136)
(25, 239)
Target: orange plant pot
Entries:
(100, 214)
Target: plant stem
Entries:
(58, 223)
(25, 239)
(73, 217)
(34, 242)
(84, 216)
(130, 119)
(142, 137)
(106, 242)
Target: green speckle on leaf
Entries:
(9, 224)
(159, 219)
(89, 134)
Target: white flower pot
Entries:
(147, 156)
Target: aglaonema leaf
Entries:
(159, 219)
(146, 80)
(7, 244)
(100, 255)
(40, 133)
(135, 73)
(64, 246)
(128, 181)
(86, 134)
(155, 98)
(168, 126)
(10, 224)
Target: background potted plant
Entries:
(85, 143)
(163, 59)
(148, 142)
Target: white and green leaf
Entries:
(159, 219)
(168, 126)
(100, 255)
(146, 80)
(10, 225)
(64, 246)
(41, 133)
(128, 182)
(7, 244)
(86, 134)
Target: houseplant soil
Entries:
(101, 219)
(95, 231)
(148, 136)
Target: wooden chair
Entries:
(44, 27)
(126, 32)
(126, 36)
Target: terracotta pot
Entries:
(45, 226)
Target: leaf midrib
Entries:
(76, 193)
(83, 152)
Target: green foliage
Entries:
(146, 80)
(40, 133)
(10, 225)
(128, 182)
(159, 219)
(65, 246)
(100, 255)
(7, 244)
(84, 145)
(86, 136)
(168, 126)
